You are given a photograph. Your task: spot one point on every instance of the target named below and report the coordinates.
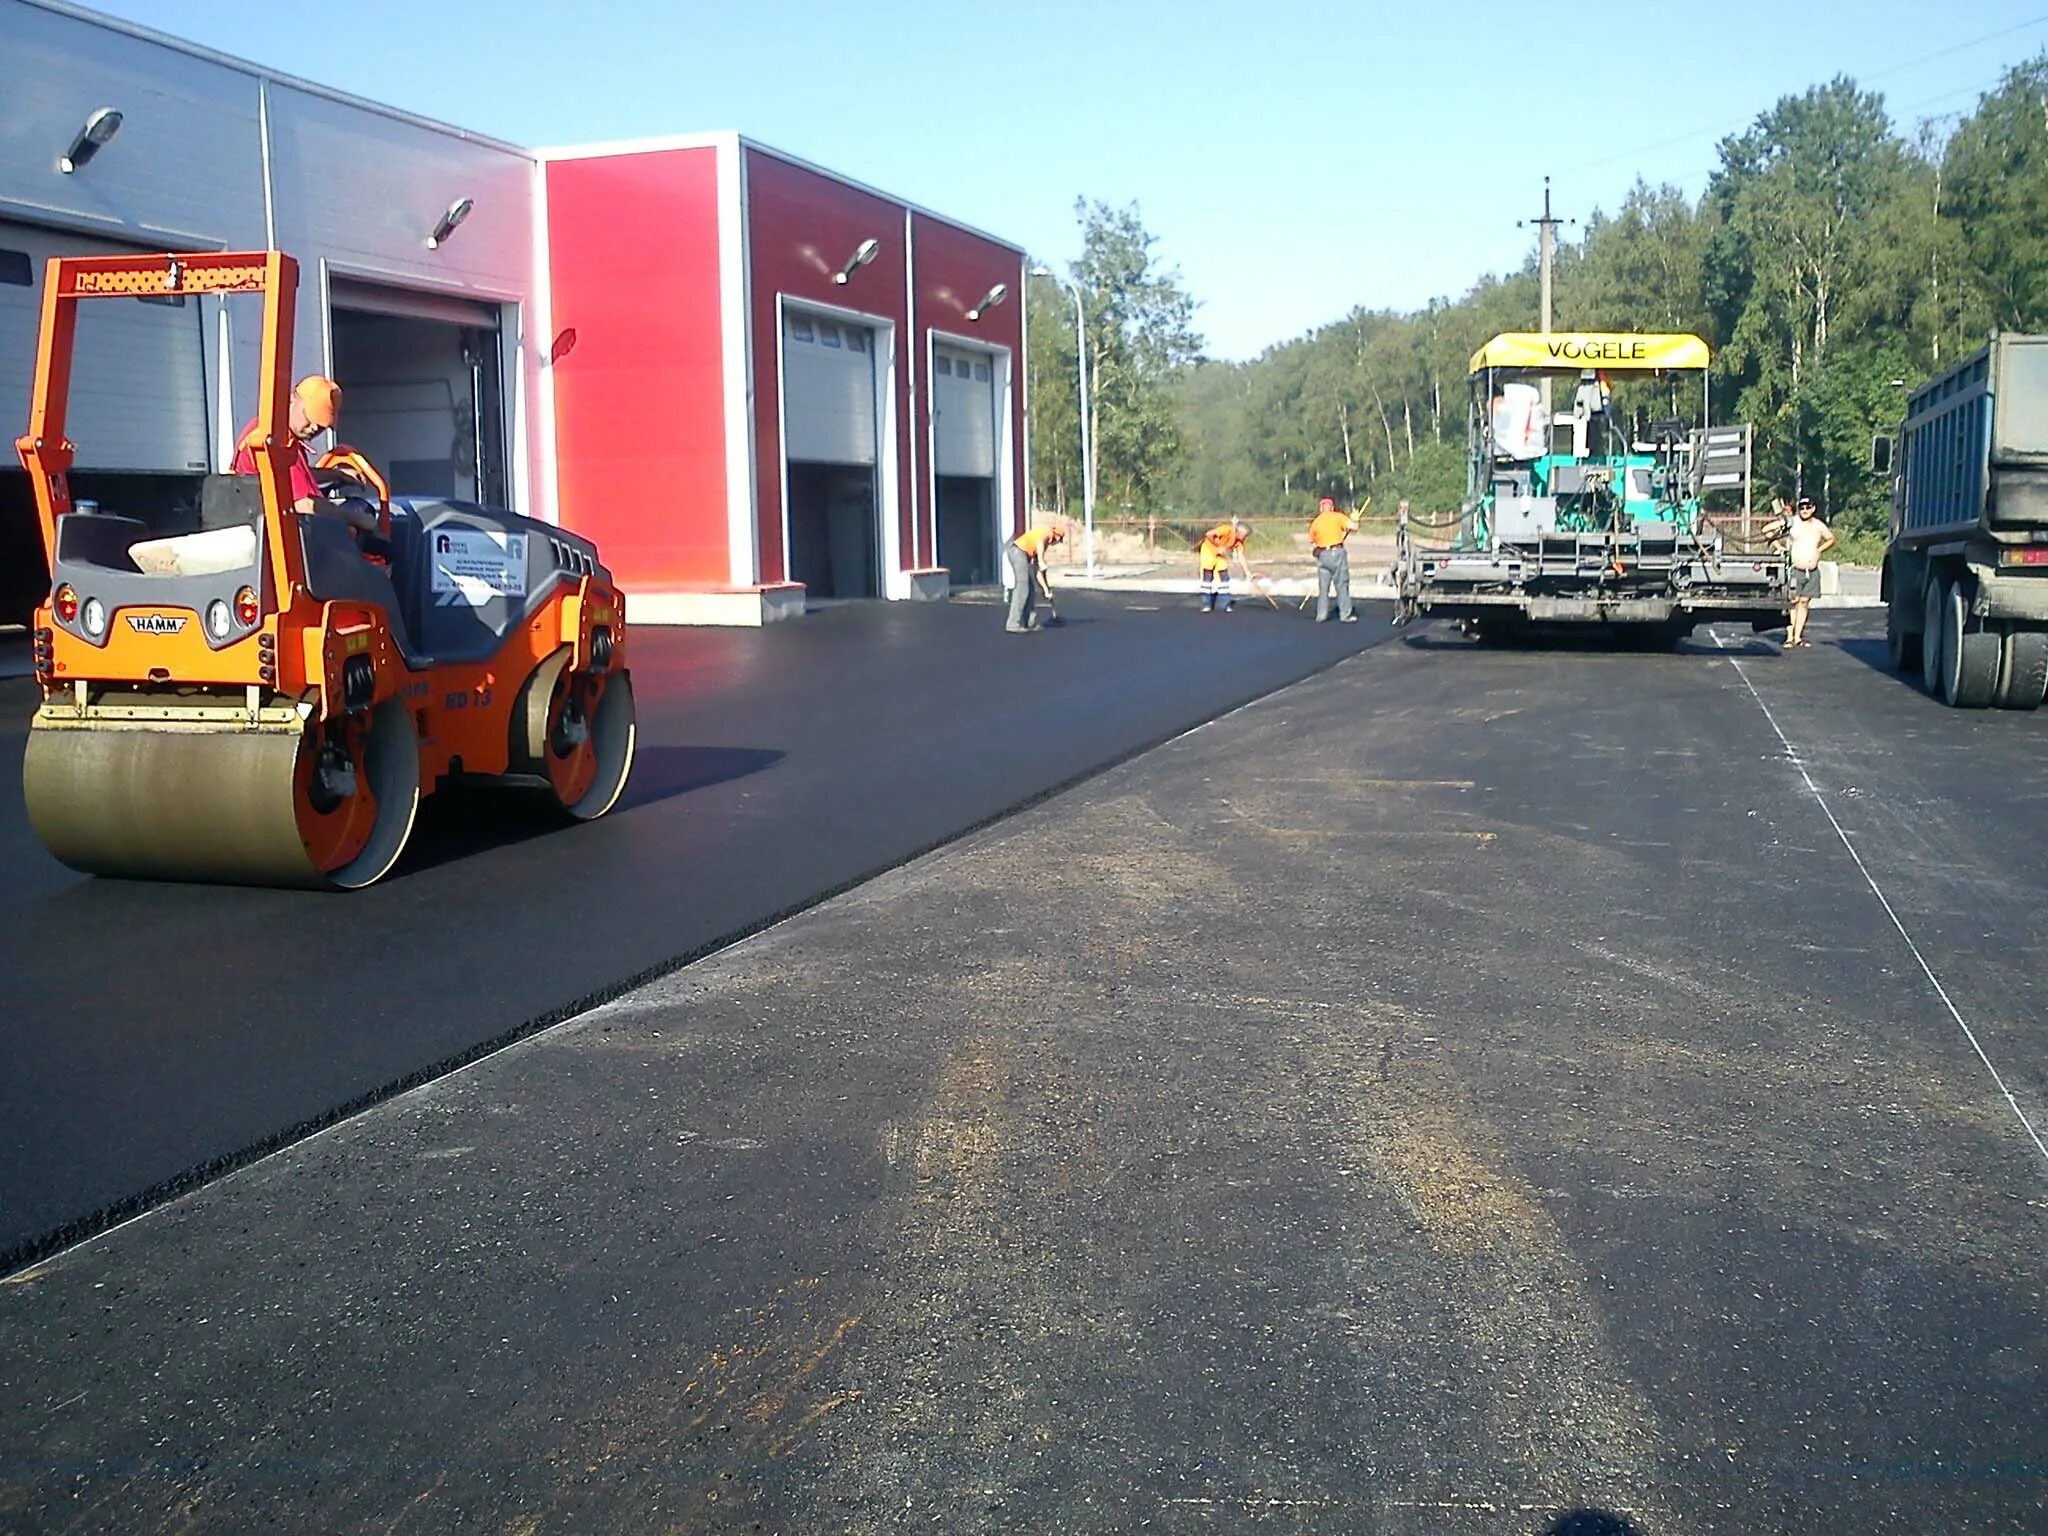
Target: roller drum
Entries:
(203, 802)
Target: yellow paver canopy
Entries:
(1572, 351)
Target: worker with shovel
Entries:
(1025, 557)
(1218, 545)
(1327, 531)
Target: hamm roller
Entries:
(266, 698)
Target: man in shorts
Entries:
(1806, 539)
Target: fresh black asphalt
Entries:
(154, 1033)
(1471, 1091)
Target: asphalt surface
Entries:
(154, 1034)
(1472, 1091)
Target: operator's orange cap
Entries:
(321, 398)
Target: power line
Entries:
(1730, 127)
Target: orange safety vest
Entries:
(1033, 540)
(1217, 544)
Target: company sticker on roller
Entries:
(474, 565)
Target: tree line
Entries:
(1832, 262)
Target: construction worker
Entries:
(1024, 555)
(1327, 531)
(1218, 545)
(315, 407)
(1804, 538)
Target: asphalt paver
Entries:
(1469, 1091)
(154, 1034)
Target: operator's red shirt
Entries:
(302, 484)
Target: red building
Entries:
(770, 384)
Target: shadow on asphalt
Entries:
(463, 820)
(1873, 653)
(1569, 642)
(1592, 1522)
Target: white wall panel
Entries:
(187, 162)
(352, 188)
(363, 190)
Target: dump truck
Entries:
(1591, 515)
(265, 699)
(1965, 579)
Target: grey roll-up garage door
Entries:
(138, 372)
(828, 390)
(409, 303)
(964, 401)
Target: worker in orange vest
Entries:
(1025, 555)
(1327, 531)
(1218, 545)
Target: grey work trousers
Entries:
(1023, 588)
(1333, 571)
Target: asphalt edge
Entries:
(16, 1262)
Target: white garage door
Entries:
(828, 390)
(138, 371)
(964, 400)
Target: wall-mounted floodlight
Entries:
(864, 253)
(99, 129)
(446, 226)
(989, 300)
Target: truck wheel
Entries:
(1902, 643)
(2023, 670)
(1933, 634)
(1969, 656)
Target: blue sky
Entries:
(1295, 159)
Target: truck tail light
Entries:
(246, 607)
(65, 601)
(2031, 554)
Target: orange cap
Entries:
(320, 398)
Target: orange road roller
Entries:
(264, 698)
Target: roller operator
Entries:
(315, 408)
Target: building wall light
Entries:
(864, 253)
(449, 221)
(989, 301)
(99, 129)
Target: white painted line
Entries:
(1882, 900)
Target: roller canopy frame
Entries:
(46, 453)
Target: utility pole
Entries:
(1546, 256)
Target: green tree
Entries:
(1815, 250)
(1141, 335)
(1994, 197)
(1052, 396)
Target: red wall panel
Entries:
(639, 402)
(801, 228)
(953, 270)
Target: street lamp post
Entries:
(1087, 435)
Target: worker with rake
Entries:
(1218, 545)
(1026, 558)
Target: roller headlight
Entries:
(94, 617)
(220, 619)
